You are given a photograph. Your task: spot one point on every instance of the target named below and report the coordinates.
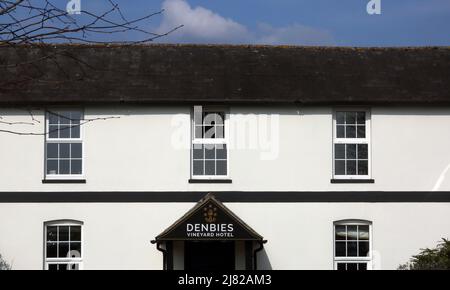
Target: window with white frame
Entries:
(351, 144)
(64, 145)
(352, 245)
(209, 143)
(63, 245)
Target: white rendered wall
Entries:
(140, 151)
(300, 235)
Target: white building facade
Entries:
(223, 184)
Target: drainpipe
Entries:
(162, 250)
(255, 252)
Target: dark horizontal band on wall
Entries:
(352, 181)
(210, 180)
(63, 180)
(228, 196)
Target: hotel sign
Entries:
(209, 220)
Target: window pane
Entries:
(63, 233)
(362, 151)
(210, 132)
(220, 132)
(350, 118)
(75, 233)
(363, 232)
(351, 151)
(340, 249)
(352, 232)
(339, 167)
(75, 167)
(64, 150)
(363, 249)
(197, 167)
(52, 166)
(53, 267)
(352, 266)
(210, 152)
(64, 167)
(198, 131)
(75, 250)
(221, 168)
(64, 117)
(64, 131)
(340, 131)
(350, 132)
(341, 267)
(209, 118)
(52, 150)
(52, 234)
(197, 151)
(63, 248)
(75, 116)
(362, 266)
(210, 167)
(339, 151)
(53, 131)
(340, 233)
(221, 151)
(52, 250)
(351, 167)
(363, 168)
(361, 117)
(220, 118)
(352, 249)
(52, 119)
(340, 117)
(75, 131)
(76, 150)
(361, 131)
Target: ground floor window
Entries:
(352, 245)
(63, 245)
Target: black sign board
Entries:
(209, 220)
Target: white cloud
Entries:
(202, 25)
(293, 34)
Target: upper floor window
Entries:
(352, 245)
(351, 144)
(63, 245)
(209, 143)
(64, 144)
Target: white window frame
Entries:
(368, 259)
(215, 141)
(365, 140)
(50, 261)
(64, 140)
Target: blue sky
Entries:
(299, 22)
(308, 22)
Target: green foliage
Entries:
(3, 264)
(430, 259)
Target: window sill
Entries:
(63, 180)
(352, 181)
(210, 180)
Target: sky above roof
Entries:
(304, 22)
(294, 22)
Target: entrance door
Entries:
(209, 255)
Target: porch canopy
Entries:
(209, 220)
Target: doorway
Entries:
(209, 255)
